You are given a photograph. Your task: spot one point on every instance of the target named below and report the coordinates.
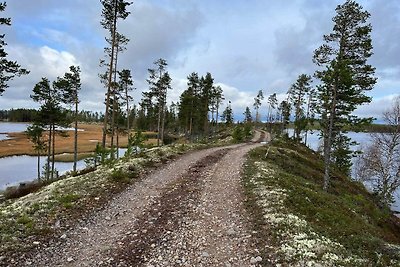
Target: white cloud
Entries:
(376, 108)
(245, 46)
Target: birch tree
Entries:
(379, 165)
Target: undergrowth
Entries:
(49, 208)
(311, 227)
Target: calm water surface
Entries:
(11, 127)
(17, 169)
(363, 139)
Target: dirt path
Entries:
(188, 213)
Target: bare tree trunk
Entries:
(158, 126)
(206, 121)
(257, 116)
(216, 119)
(117, 142)
(76, 132)
(53, 152)
(49, 142)
(328, 142)
(127, 111)
(307, 117)
(162, 124)
(110, 73)
(296, 129)
(38, 165)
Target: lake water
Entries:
(363, 139)
(17, 169)
(11, 127)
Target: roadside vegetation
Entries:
(308, 226)
(28, 220)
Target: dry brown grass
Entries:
(87, 140)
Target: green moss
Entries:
(68, 200)
(118, 175)
(345, 214)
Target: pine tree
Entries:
(35, 135)
(227, 115)
(216, 100)
(111, 12)
(272, 104)
(345, 76)
(297, 93)
(125, 84)
(8, 69)
(50, 115)
(207, 87)
(70, 86)
(257, 104)
(285, 108)
(159, 82)
(247, 115)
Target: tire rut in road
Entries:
(164, 216)
(217, 231)
(87, 242)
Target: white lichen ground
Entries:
(41, 211)
(298, 244)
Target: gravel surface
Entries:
(188, 212)
(216, 232)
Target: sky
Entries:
(245, 45)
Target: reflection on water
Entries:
(17, 169)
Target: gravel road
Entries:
(188, 212)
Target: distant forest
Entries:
(29, 115)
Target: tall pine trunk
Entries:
(159, 126)
(117, 151)
(307, 118)
(38, 165)
(49, 142)
(127, 111)
(76, 133)
(216, 119)
(328, 139)
(110, 73)
(206, 120)
(53, 152)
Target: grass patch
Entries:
(341, 227)
(68, 200)
(120, 176)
